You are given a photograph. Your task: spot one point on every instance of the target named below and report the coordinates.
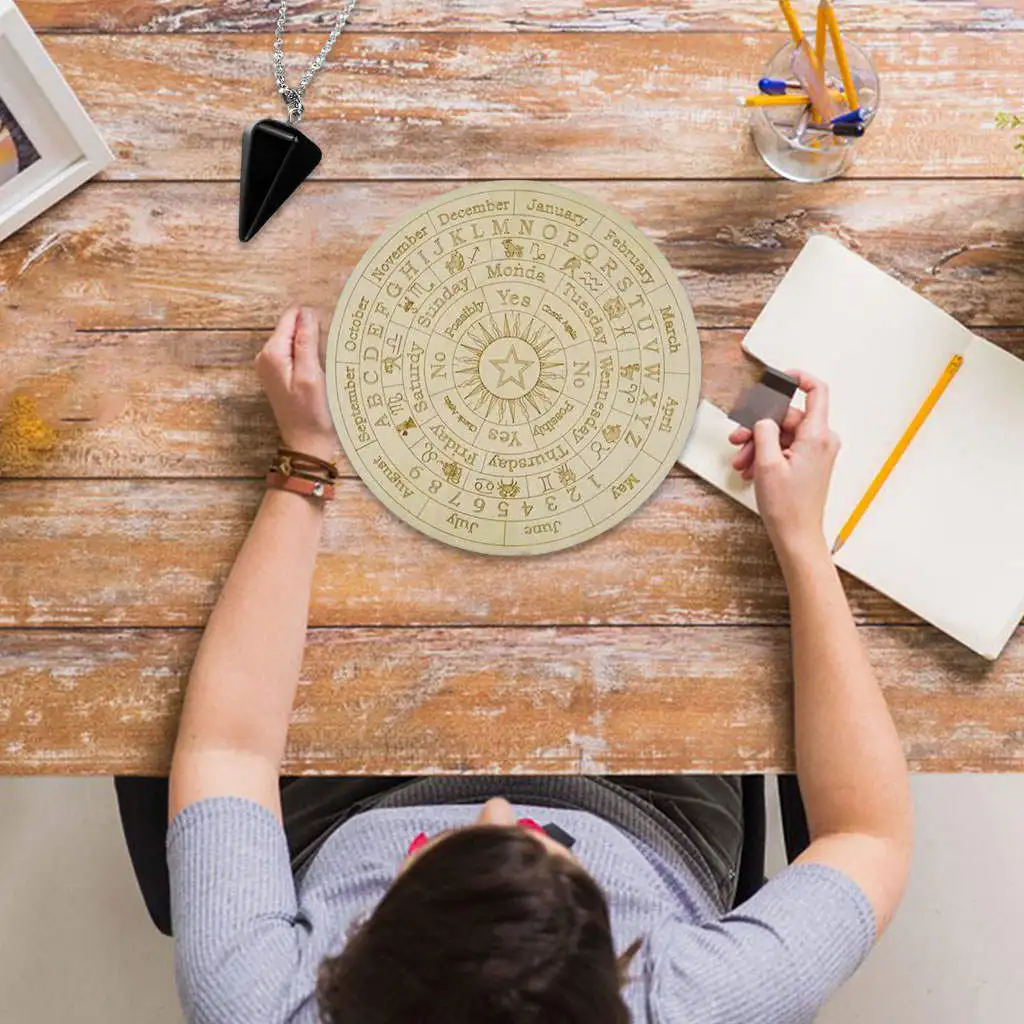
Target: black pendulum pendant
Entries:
(276, 159)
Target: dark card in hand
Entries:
(767, 400)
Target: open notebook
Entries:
(945, 535)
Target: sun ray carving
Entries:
(497, 385)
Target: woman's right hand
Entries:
(791, 471)
(289, 368)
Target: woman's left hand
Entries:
(289, 369)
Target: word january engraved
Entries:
(555, 210)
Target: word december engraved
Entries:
(490, 206)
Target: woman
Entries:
(419, 902)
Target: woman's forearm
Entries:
(242, 685)
(853, 774)
(852, 771)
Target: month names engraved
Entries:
(513, 368)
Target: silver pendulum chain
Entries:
(293, 97)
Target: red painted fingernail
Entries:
(418, 843)
(530, 824)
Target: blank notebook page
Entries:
(945, 535)
(880, 347)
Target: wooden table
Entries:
(132, 314)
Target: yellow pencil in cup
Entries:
(952, 367)
(840, 52)
(791, 20)
(790, 99)
(807, 68)
(820, 35)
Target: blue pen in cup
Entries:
(778, 87)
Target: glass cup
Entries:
(808, 155)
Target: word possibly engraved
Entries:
(513, 368)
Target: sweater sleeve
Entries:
(775, 960)
(238, 930)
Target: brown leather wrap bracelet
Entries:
(308, 486)
(303, 474)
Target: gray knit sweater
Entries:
(249, 938)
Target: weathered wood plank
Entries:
(174, 403)
(399, 701)
(525, 106)
(179, 403)
(166, 254)
(154, 553)
(154, 16)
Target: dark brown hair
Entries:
(484, 927)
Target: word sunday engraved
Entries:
(513, 368)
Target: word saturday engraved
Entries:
(513, 368)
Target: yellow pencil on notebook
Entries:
(897, 453)
(840, 52)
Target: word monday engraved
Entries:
(513, 368)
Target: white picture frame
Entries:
(69, 149)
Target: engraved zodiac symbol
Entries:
(614, 307)
(513, 250)
(452, 472)
(507, 490)
(391, 363)
(455, 264)
(572, 264)
(408, 305)
(612, 433)
(628, 371)
(406, 426)
(566, 476)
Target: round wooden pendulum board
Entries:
(513, 368)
